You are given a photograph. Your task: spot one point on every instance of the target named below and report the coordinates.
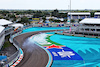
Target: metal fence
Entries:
(50, 25)
(10, 60)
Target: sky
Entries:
(49, 4)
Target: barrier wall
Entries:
(12, 59)
(19, 53)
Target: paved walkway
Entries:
(34, 56)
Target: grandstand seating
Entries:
(79, 17)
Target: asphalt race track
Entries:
(34, 56)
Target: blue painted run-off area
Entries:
(64, 54)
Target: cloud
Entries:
(82, 1)
(3, 1)
(49, 4)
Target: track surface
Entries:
(34, 56)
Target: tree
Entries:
(38, 14)
(92, 14)
(65, 20)
(57, 21)
(79, 20)
(62, 15)
(72, 20)
(29, 11)
(44, 18)
(55, 13)
(1, 17)
(14, 19)
(46, 13)
(11, 16)
(51, 19)
(24, 20)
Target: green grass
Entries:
(7, 37)
(52, 42)
(7, 44)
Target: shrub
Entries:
(96, 37)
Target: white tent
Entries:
(1, 28)
(5, 22)
(90, 21)
(61, 19)
(17, 25)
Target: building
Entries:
(89, 26)
(97, 15)
(16, 25)
(26, 15)
(6, 23)
(78, 15)
(2, 36)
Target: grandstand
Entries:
(78, 15)
(5, 24)
(7, 28)
(2, 40)
(97, 15)
(90, 26)
(16, 25)
(2, 36)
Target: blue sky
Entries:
(49, 4)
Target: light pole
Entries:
(70, 12)
(70, 16)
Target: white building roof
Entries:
(16, 25)
(79, 13)
(5, 22)
(61, 19)
(51, 17)
(97, 13)
(1, 28)
(90, 21)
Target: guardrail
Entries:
(12, 59)
(50, 25)
(77, 35)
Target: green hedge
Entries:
(7, 44)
